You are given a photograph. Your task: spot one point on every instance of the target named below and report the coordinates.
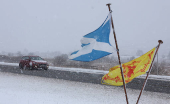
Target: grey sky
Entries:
(58, 25)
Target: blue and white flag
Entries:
(96, 44)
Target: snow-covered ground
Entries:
(10, 64)
(24, 89)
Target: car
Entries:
(33, 62)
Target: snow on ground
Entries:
(24, 89)
(10, 64)
(155, 77)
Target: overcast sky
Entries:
(58, 25)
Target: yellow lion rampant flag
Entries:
(130, 69)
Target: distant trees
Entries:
(60, 60)
(163, 56)
(131, 58)
(12, 59)
(10, 54)
(106, 59)
(19, 53)
(139, 53)
(31, 54)
(160, 68)
(168, 56)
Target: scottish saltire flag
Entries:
(96, 44)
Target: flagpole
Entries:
(160, 42)
(118, 55)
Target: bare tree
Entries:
(139, 53)
(19, 53)
(60, 60)
(168, 56)
(31, 54)
(161, 68)
(131, 58)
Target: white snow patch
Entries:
(10, 64)
(23, 89)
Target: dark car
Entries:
(33, 62)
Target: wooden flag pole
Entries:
(160, 42)
(118, 55)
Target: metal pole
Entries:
(118, 55)
(160, 42)
(157, 63)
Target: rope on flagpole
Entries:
(118, 55)
(160, 42)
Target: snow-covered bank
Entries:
(21, 89)
(155, 77)
(10, 64)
